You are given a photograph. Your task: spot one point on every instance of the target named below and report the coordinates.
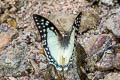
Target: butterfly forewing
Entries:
(73, 37)
(50, 38)
(74, 33)
(43, 23)
(43, 26)
(76, 24)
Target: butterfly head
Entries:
(65, 39)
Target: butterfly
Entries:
(58, 47)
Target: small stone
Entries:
(42, 66)
(113, 24)
(112, 76)
(100, 47)
(105, 62)
(13, 9)
(12, 23)
(89, 20)
(41, 51)
(3, 28)
(12, 78)
(89, 43)
(108, 2)
(116, 61)
(99, 75)
(6, 37)
(100, 42)
(74, 12)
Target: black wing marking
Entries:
(42, 24)
(76, 24)
(75, 27)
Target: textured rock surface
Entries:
(112, 76)
(91, 17)
(113, 23)
(116, 61)
(22, 56)
(106, 62)
(62, 21)
(89, 43)
(102, 44)
(6, 35)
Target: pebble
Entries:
(108, 2)
(105, 62)
(6, 35)
(89, 43)
(102, 44)
(116, 61)
(112, 76)
(42, 66)
(113, 24)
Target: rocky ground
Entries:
(97, 52)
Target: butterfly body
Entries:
(58, 47)
(65, 39)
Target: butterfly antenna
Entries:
(59, 24)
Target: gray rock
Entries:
(113, 23)
(116, 61)
(6, 35)
(106, 62)
(101, 46)
(112, 76)
(108, 2)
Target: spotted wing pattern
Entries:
(49, 33)
(76, 24)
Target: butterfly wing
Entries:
(73, 37)
(64, 54)
(76, 25)
(50, 38)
